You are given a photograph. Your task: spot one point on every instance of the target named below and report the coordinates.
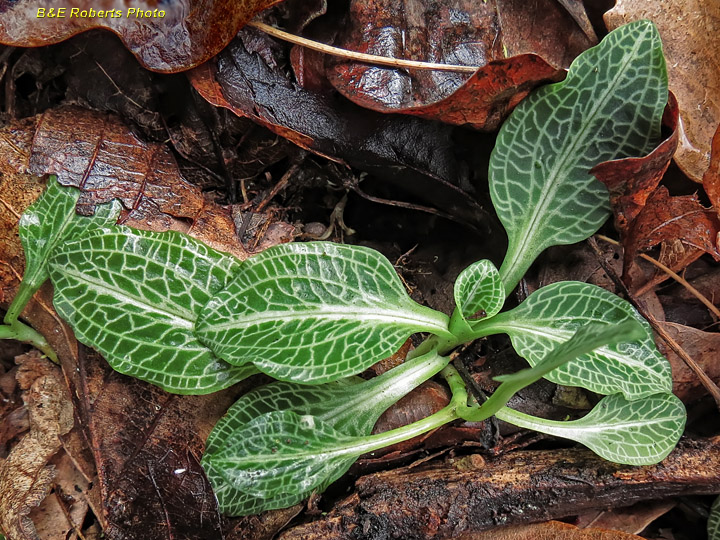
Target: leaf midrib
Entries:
(394, 318)
(184, 319)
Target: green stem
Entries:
(517, 418)
(514, 266)
(388, 388)
(388, 438)
(22, 332)
(23, 296)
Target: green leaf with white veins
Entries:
(351, 406)
(609, 107)
(49, 222)
(479, 294)
(282, 453)
(713, 526)
(641, 432)
(552, 314)
(134, 296)
(314, 313)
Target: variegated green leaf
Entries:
(552, 314)
(314, 313)
(610, 106)
(479, 294)
(50, 222)
(713, 526)
(640, 432)
(282, 453)
(134, 296)
(351, 406)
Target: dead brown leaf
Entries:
(188, 33)
(703, 347)
(25, 476)
(514, 50)
(690, 31)
(551, 530)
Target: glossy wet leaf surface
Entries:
(640, 432)
(609, 106)
(552, 314)
(135, 297)
(189, 32)
(314, 313)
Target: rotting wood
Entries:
(447, 500)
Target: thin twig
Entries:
(692, 290)
(360, 57)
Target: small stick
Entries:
(360, 57)
(692, 290)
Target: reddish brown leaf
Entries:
(688, 29)
(666, 218)
(184, 35)
(516, 49)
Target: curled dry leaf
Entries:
(516, 49)
(25, 477)
(184, 35)
(689, 31)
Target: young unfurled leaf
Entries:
(351, 406)
(314, 313)
(640, 432)
(610, 106)
(134, 296)
(49, 222)
(552, 314)
(479, 293)
(713, 526)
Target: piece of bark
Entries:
(441, 501)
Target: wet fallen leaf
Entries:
(689, 31)
(516, 50)
(703, 347)
(411, 152)
(25, 476)
(185, 34)
(551, 530)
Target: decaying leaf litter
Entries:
(413, 183)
